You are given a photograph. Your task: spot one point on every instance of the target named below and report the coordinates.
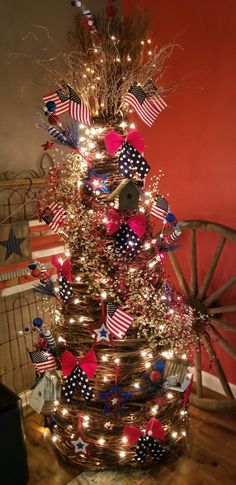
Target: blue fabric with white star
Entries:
(127, 243)
(96, 181)
(77, 381)
(116, 390)
(131, 163)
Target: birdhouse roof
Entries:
(117, 191)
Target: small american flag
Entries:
(54, 216)
(62, 100)
(117, 320)
(147, 108)
(78, 109)
(43, 360)
(160, 208)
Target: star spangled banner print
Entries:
(43, 360)
(117, 320)
(54, 216)
(160, 208)
(147, 108)
(78, 109)
(68, 100)
(61, 100)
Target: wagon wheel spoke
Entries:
(222, 309)
(181, 279)
(194, 283)
(217, 293)
(217, 364)
(207, 280)
(224, 344)
(198, 365)
(216, 322)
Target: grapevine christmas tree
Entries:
(121, 330)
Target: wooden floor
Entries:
(210, 458)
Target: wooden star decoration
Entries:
(12, 244)
(102, 335)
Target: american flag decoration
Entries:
(147, 108)
(43, 360)
(54, 216)
(78, 109)
(65, 289)
(61, 99)
(117, 320)
(160, 208)
(132, 163)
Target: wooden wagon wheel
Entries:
(200, 298)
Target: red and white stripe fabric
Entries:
(58, 216)
(61, 106)
(43, 360)
(117, 320)
(146, 112)
(158, 213)
(80, 112)
(159, 103)
(147, 108)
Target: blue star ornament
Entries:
(114, 399)
(96, 181)
(80, 445)
(12, 244)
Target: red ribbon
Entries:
(113, 141)
(64, 268)
(153, 428)
(88, 363)
(115, 220)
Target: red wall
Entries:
(193, 141)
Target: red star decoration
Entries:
(47, 145)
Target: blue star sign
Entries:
(12, 244)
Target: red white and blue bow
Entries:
(115, 221)
(62, 267)
(76, 374)
(146, 440)
(128, 233)
(114, 141)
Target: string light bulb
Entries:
(101, 441)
